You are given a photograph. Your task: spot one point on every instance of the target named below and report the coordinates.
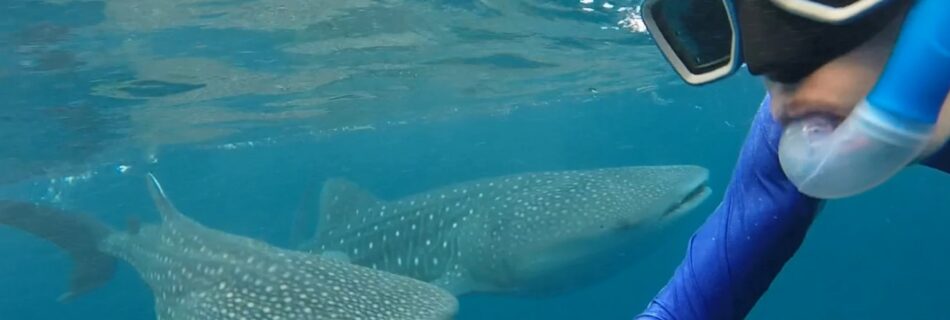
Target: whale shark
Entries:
(197, 273)
(535, 233)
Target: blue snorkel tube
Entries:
(890, 128)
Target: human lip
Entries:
(797, 109)
(790, 104)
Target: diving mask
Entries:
(707, 40)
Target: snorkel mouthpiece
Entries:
(890, 128)
(865, 150)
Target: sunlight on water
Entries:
(213, 72)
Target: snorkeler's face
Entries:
(838, 86)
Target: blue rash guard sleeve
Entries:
(760, 223)
(734, 256)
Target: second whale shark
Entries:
(531, 233)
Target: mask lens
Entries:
(699, 32)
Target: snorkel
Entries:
(890, 128)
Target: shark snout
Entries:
(692, 190)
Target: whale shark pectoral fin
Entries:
(336, 255)
(339, 201)
(455, 283)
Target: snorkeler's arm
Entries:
(734, 256)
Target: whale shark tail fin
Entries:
(77, 234)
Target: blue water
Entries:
(243, 115)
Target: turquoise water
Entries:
(243, 109)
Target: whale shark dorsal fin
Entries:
(339, 200)
(165, 207)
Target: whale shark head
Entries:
(584, 225)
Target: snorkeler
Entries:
(808, 141)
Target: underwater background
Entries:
(243, 108)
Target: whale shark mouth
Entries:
(690, 201)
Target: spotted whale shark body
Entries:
(532, 233)
(197, 273)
